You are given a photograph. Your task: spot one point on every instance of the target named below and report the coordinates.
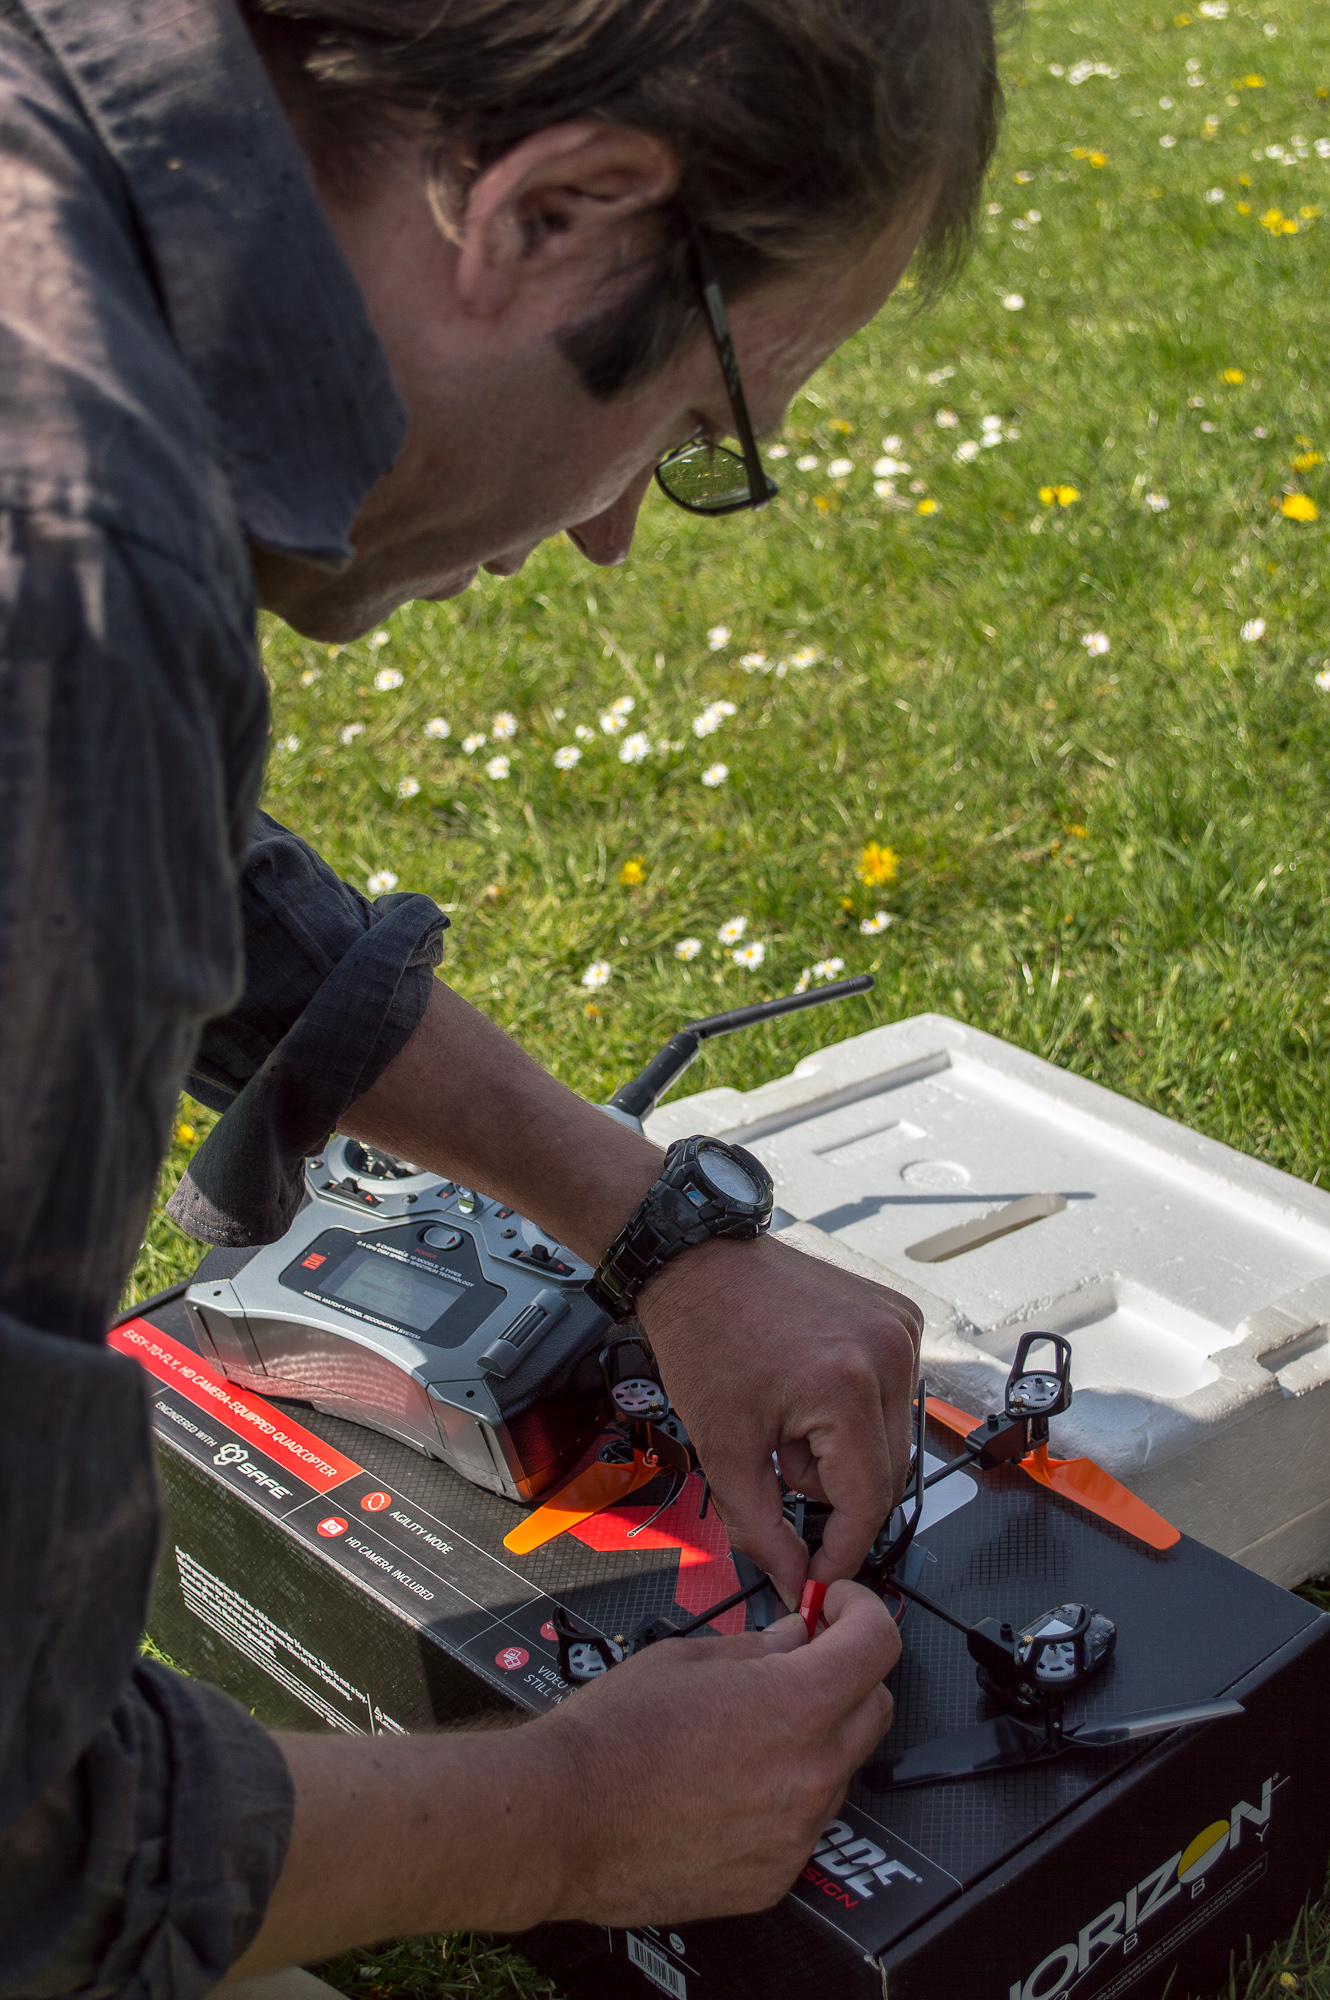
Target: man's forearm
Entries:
(411, 1835)
(466, 1101)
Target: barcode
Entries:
(657, 1967)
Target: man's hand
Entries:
(693, 1781)
(764, 1350)
(706, 1769)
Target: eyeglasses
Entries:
(707, 478)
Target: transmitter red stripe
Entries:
(296, 1450)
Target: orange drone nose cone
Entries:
(596, 1487)
(1081, 1480)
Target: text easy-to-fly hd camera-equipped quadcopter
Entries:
(1029, 1670)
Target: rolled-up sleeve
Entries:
(335, 985)
(143, 1817)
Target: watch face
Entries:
(728, 1177)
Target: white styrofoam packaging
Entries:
(1193, 1282)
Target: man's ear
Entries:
(561, 208)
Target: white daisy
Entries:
(891, 468)
(892, 443)
(583, 734)
(718, 636)
(1322, 679)
(382, 883)
(808, 463)
(885, 489)
(1095, 643)
(287, 744)
(378, 639)
(732, 930)
(778, 451)
(388, 677)
(1158, 503)
(749, 956)
(1254, 629)
(565, 758)
(473, 742)
(504, 727)
(597, 974)
(613, 723)
(946, 420)
(1013, 301)
(308, 678)
(870, 926)
(687, 949)
(436, 726)
(498, 767)
(807, 656)
(715, 774)
(939, 376)
(350, 733)
(407, 787)
(840, 468)
(966, 450)
(827, 968)
(635, 748)
(752, 663)
(1214, 194)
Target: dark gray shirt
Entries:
(185, 366)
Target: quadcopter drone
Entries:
(426, 1311)
(1029, 1670)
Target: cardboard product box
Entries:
(331, 1578)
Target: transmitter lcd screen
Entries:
(381, 1285)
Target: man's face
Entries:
(504, 446)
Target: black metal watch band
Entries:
(684, 1207)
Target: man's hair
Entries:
(803, 128)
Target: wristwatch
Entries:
(706, 1189)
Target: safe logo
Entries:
(1120, 1924)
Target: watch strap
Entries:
(667, 1222)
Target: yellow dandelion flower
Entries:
(1080, 152)
(1047, 495)
(927, 507)
(1099, 159)
(632, 873)
(1306, 460)
(822, 503)
(877, 865)
(1232, 375)
(1299, 507)
(839, 424)
(1254, 82)
(1078, 832)
(591, 1011)
(1066, 495)
(184, 1135)
(1288, 227)
(1182, 20)
(1244, 180)
(1308, 214)
(1244, 208)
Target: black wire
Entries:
(894, 1584)
(719, 1610)
(967, 1457)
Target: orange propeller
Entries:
(1078, 1479)
(597, 1486)
(590, 1492)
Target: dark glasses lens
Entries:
(708, 479)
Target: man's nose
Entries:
(607, 537)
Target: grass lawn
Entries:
(1030, 726)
